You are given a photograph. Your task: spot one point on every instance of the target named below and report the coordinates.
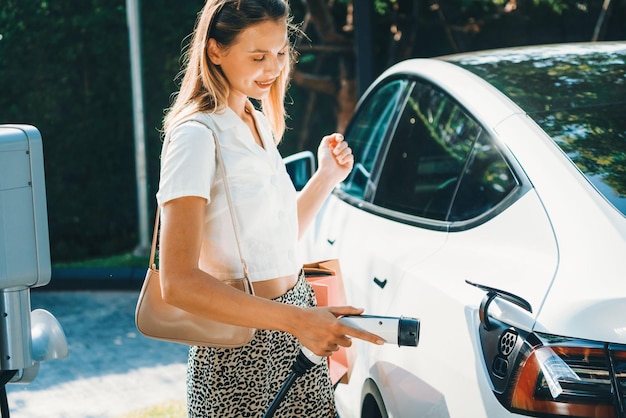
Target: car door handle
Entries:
(380, 283)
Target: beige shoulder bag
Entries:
(157, 319)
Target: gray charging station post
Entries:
(26, 338)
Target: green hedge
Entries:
(64, 68)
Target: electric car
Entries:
(487, 199)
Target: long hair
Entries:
(204, 87)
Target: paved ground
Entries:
(111, 368)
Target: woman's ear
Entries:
(214, 51)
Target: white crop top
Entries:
(262, 192)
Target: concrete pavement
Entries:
(111, 368)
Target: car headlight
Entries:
(539, 374)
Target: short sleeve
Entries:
(187, 163)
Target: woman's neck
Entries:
(241, 106)
(244, 108)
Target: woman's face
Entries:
(254, 61)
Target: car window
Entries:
(367, 131)
(434, 146)
(487, 180)
(427, 155)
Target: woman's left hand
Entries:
(335, 157)
(335, 161)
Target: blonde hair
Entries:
(204, 88)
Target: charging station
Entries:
(26, 338)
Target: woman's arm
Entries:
(186, 286)
(335, 162)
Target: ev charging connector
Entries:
(402, 331)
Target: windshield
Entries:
(577, 94)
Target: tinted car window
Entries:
(576, 94)
(486, 181)
(438, 151)
(367, 131)
(427, 155)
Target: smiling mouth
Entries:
(265, 84)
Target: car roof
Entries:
(552, 77)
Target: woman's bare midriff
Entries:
(273, 288)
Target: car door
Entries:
(433, 144)
(373, 231)
(373, 249)
(438, 171)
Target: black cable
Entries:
(298, 368)
(281, 395)
(5, 376)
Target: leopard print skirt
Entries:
(242, 382)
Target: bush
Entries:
(65, 69)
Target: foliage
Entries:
(122, 260)
(61, 71)
(65, 70)
(558, 6)
(383, 7)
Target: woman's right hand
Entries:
(323, 333)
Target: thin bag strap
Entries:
(155, 234)
(220, 162)
(231, 207)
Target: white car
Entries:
(488, 199)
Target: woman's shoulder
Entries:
(190, 135)
(198, 118)
(218, 120)
(191, 115)
(188, 129)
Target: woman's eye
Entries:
(259, 59)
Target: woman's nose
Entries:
(273, 65)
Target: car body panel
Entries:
(434, 290)
(393, 248)
(587, 268)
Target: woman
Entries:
(240, 50)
